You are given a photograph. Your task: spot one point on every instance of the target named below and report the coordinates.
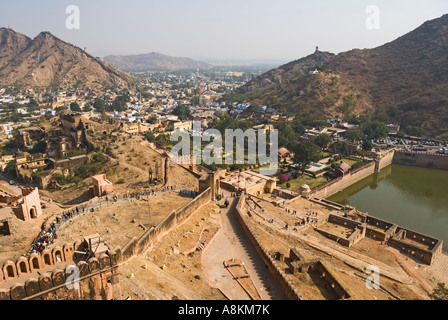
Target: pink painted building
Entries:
(29, 205)
(101, 186)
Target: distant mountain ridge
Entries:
(47, 61)
(409, 73)
(154, 62)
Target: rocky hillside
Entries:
(47, 61)
(154, 62)
(405, 79)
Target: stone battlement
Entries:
(45, 276)
(421, 159)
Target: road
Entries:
(4, 182)
(232, 242)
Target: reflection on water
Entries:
(412, 197)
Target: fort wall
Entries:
(287, 286)
(359, 230)
(401, 241)
(421, 159)
(330, 276)
(50, 276)
(98, 276)
(330, 188)
(385, 160)
(378, 229)
(138, 245)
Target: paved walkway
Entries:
(232, 242)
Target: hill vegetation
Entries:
(47, 61)
(404, 81)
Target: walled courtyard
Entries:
(119, 222)
(173, 269)
(401, 277)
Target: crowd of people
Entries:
(237, 194)
(43, 241)
(138, 194)
(46, 238)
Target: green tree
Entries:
(14, 106)
(440, 292)
(222, 123)
(39, 147)
(195, 100)
(147, 95)
(322, 140)
(297, 126)
(10, 169)
(305, 153)
(149, 135)
(99, 105)
(392, 112)
(104, 117)
(59, 109)
(33, 105)
(125, 97)
(88, 107)
(367, 145)
(117, 105)
(74, 106)
(12, 144)
(183, 112)
(287, 136)
(374, 129)
(341, 147)
(152, 120)
(15, 117)
(382, 117)
(354, 134)
(162, 140)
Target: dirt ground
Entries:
(172, 269)
(23, 233)
(119, 222)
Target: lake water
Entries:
(412, 197)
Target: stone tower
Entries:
(150, 175)
(167, 171)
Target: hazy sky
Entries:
(280, 30)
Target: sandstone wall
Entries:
(331, 277)
(425, 254)
(278, 273)
(330, 188)
(51, 276)
(138, 245)
(421, 159)
(386, 160)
